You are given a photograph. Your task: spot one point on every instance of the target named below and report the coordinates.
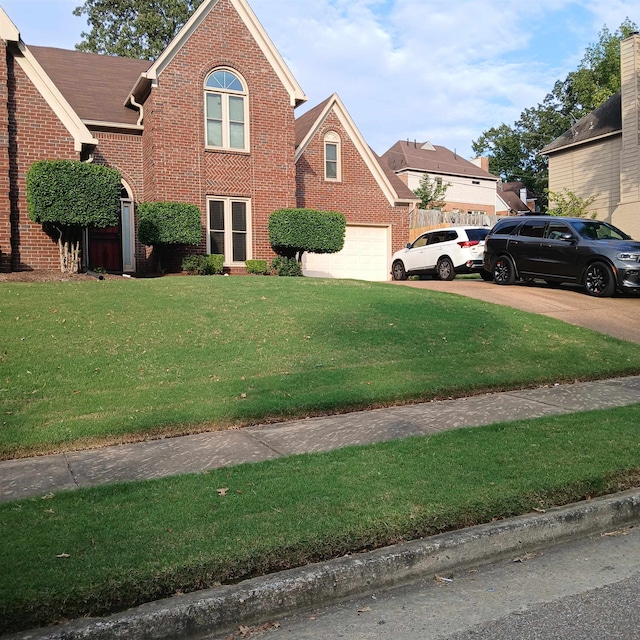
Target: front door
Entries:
(112, 249)
(105, 249)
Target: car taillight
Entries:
(469, 243)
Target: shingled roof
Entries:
(606, 120)
(423, 156)
(96, 86)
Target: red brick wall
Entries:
(357, 195)
(5, 204)
(124, 152)
(33, 133)
(177, 166)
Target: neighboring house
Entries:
(210, 122)
(514, 199)
(600, 155)
(472, 188)
(336, 169)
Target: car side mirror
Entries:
(566, 236)
(408, 245)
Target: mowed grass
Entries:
(92, 551)
(88, 363)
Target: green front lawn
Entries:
(92, 551)
(88, 363)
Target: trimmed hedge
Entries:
(71, 193)
(294, 231)
(258, 267)
(162, 223)
(203, 265)
(286, 266)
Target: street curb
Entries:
(266, 598)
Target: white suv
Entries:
(442, 253)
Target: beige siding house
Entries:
(600, 155)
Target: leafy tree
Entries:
(67, 196)
(513, 151)
(294, 231)
(431, 192)
(567, 204)
(133, 28)
(161, 224)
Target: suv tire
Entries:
(599, 280)
(445, 269)
(503, 271)
(398, 271)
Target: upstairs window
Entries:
(226, 111)
(332, 159)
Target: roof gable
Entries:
(308, 125)
(605, 121)
(258, 33)
(44, 84)
(428, 158)
(96, 86)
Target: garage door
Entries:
(365, 256)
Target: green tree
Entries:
(294, 231)
(161, 224)
(567, 204)
(431, 192)
(513, 151)
(132, 28)
(66, 196)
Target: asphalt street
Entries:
(582, 590)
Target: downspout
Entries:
(138, 106)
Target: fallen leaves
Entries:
(223, 491)
(528, 556)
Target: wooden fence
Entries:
(421, 220)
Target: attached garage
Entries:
(365, 256)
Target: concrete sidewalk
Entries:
(215, 612)
(29, 477)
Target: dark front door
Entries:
(105, 249)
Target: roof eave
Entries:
(546, 151)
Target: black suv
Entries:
(591, 253)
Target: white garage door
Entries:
(365, 256)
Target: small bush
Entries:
(256, 266)
(203, 265)
(284, 266)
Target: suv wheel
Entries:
(445, 269)
(397, 271)
(599, 280)
(504, 271)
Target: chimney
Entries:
(482, 162)
(630, 82)
(523, 194)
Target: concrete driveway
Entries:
(618, 316)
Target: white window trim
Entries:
(331, 137)
(228, 232)
(226, 93)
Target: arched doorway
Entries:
(112, 248)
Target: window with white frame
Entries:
(332, 159)
(226, 111)
(229, 229)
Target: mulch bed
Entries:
(43, 275)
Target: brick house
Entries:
(210, 122)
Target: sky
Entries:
(422, 70)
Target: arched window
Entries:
(226, 111)
(332, 157)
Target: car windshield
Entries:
(477, 234)
(596, 230)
